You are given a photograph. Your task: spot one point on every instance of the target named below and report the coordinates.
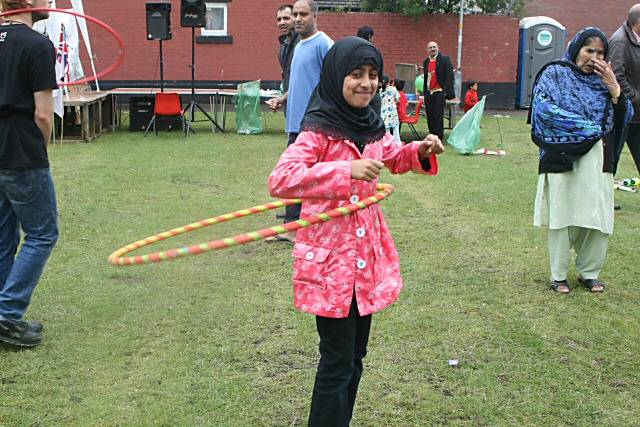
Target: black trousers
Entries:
(292, 213)
(632, 136)
(435, 112)
(343, 345)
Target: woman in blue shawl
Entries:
(577, 117)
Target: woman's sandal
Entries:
(594, 285)
(560, 286)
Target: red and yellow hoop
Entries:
(119, 258)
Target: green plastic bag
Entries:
(420, 83)
(465, 137)
(248, 113)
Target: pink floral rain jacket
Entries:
(354, 252)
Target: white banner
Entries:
(78, 7)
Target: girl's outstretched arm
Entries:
(417, 156)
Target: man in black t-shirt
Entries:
(27, 194)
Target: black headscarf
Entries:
(328, 112)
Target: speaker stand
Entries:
(153, 119)
(161, 69)
(191, 108)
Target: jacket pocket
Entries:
(380, 262)
(310, 263)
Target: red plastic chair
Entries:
(168, 104)
(412, 119)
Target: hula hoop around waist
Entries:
(118, 257)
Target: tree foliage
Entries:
(418, 7)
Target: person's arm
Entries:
(448, 80)
(417, 156)
(43, 115)
(301, 173)
(471, 99)
(608, 76)
(617, 57)
(425, 79)
(42, 79)
(277, 102)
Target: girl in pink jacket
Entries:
(347, 268)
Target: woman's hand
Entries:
(366, 169)
(430, 145)
(604, 70)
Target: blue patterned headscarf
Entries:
(574, 46)
(568, 105)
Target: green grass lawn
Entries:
(215, 340)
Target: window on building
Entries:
(216, 20)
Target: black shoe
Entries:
(36, 326)
(617, 207)
(20, 333)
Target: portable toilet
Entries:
(541, 41)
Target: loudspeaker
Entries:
(193, 13)
(158, 21)
(141, 112)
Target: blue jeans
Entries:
(27, 202)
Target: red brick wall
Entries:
(490, 44)
(608, 15)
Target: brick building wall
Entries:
(608, 15)
(490, 44)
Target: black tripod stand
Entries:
(152, 122)
(191, 108)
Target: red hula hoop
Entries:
(110, 30)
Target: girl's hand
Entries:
(430, 145)
(366, 169)
(604, 70)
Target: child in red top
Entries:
(471, 98)
(348, 268)
(402, 104)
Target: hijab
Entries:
(580, 39)
(328, 112)
(569, 105)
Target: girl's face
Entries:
(588, 54)
(360, 86)
(475, 86)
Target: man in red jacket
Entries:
(438, 87)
